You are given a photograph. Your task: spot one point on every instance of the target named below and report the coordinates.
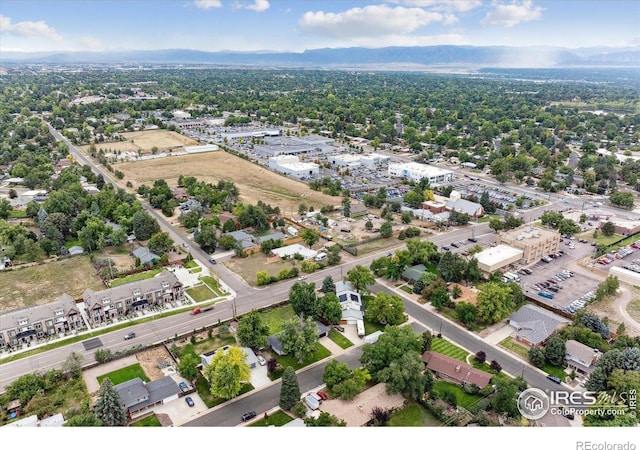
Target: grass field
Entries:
(254, 182)
(601, 239)
(277, 419)
(149, 421)
(413, 415)
(376, 246)
(554, 370)
(463, 398)
(145, 141)
(37, 285)
(287, 360)
(206, 345)
(339, 339)
(125, 374)
(213, 285)
(190, 264)
(136, 277)
(204, 391)
(445, 347)
(516, 348)
(200, 293)
(275, 317)
(248, 267)
(633, 308)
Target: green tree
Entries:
(227, 372)
(325, 420)
(536, 356)
(302, 297)
(83, 420)
(385, 309)
(73, 364)
(505, 399)
(5, 208)
(252, 331)
(555, 351)
(440, 298)
(144, 225)
(329, 308)
(452, 267)
(188, 366)
(328, 285)
(608, 229)
(405, 375)
(310, 236)
(360, 277)
(390, 346)
(466, 313)
(299, 339)
(289, 389)
(160, 243)
(495, 302)
(335, 372)
(227, 241)
(108, 408)
(229, 226)
(386, 230)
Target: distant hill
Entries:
(432, 56)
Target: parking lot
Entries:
(570, 289)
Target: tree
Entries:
(536, 357)
(386, 230)
(481, 357)
(108, 408)
(404, 375)
(188, 366)
(299, 339)
(360, 277)
(495, 302)
(325, 420)
(440, 298)
(346, 208)
(451, 267)
(329, 308)
(328, 285)
(495, 365)
(252, 331)
(505, 399)
(5, 208)
(385, 309)
(390, 346)
(608, 229)
(83, 420)
(227, 372)
(229, 226)
(555, 351)
(427, 340)
(227, 241)
(160, 243)
(73, 364)
(466, 313)
(207, 238)
(289, 389)
(622, 199)
(302, 297)
(310, 236)
(144, 225)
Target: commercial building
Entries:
(495, 258)
(416, 172)
(250, 132)
(305, 145)
(624, 227)
(350, 160)
(291, 165)
(533, 241)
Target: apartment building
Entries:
(534, 242)
(30, 324)
(135, 296)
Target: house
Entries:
(241, 237)
(271, 237)
(23, 326)
(461, 205)
(138, 295)
(580, 357)
(534, 325)
(145, 255)
(413, 273)
(276, 344)
(350, 301)
(137, 397)
(226, 216)
(249, 357)
(57, 420)
(455, 371)
(290, 250)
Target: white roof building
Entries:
(290, 250)
(494, 258)
(416, 172)
(291, 165)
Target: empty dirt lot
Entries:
(145, 141)
(255, 182)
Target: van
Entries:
(554, 379)
(360, 328)
(320, 256)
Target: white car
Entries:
(261, 360)
(302, 278)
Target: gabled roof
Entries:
(272, 236)
(275, 344)
(239, 235)
(145, 255)
(57, 310)
(131, 392)
(456, 370)
(464, 206)
(414, 272)
(535, 324)
(577, 351)
(344, 286)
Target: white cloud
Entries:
(259, 5)
(28, 29)
(207, 4)
(512, 14)
(370, 21)
(442, 5)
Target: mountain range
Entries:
(374, 58)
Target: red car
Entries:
(322, 395)
(196, 311)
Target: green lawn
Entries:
(195, 270)
(407, 289)
(136, 276)
(190, 265)
(200, 293)
(516, 348)
(274, 318)
(602, 239)
(485, 367)
(464, 399)
(203, 388)
(445, 347)
(554, 370)
(213, 343)
(17, 214)
(125, 374)
(149, 421)
(213, 284)
(488, 217)
(288, 360)
(340, 339)
(413, 415)
(277, 419)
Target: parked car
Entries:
(303, 277)
(554, 379)
(248, 416)
(445, 248)
(129, 336)
(322, 395)
(453, 244)
(212, 261)
(340, 328)
(472, 239)
(261, 360)
(189, 401)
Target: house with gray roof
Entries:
(134, 296)
(276, 344)
(279, 235)
(534, 325)
(465, 206)
(580, 357)
(145, 255)
(413, 273)
(350, 301)
(243, 238)
(249, 357)
(138, 397)
(26, 325)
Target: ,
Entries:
(189, 401)
(248, 416)
(129, 336)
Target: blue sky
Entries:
(295, 25)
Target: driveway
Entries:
(498, 335)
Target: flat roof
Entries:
(529, 232)
(497, 254)
(422, 168)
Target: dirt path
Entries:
(620, 305)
